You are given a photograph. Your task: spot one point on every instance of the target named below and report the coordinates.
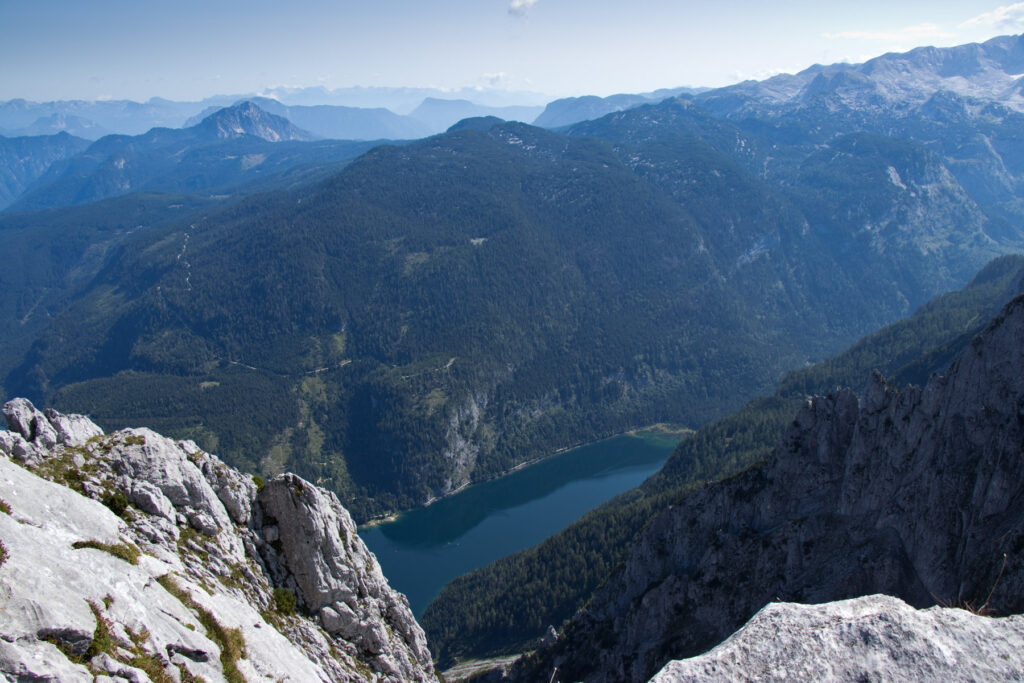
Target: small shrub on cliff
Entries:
(3, 553)
(259, 481)
(117, 502)
(4, 507)
(284, 601)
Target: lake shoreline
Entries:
(658, 429)
(426, 548)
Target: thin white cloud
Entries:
(1006, 18)
(519, 8)
(494, 80)
(760, 75)
(917, 32)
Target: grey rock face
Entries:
(23, 418)
(311, 542)
(916, 493)
(72, 430)
(876, 638)
(192, 528)
(147, 456)
(13, 445)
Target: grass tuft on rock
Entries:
(229, 640)
(125, 551)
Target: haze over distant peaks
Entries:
(62, 123)
(237, 145)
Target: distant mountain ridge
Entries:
(337, 122)
(432, 115)
(126, 117)
(992, 71)
(23, 160)
(231, 147)
(61, 123)
(440, 114)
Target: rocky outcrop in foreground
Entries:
(916, 493)
(132, 556)
(875, 638)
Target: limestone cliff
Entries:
(132, 556)
(916, 493)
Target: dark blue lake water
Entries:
(424, 549)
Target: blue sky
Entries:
(186, 49)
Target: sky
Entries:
(191, 49)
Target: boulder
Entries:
(72, 430)
(873, 638)
(144, 455)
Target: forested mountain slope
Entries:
(912, 492)
(49, 256)
(507, 606)
(441, 312)
(24, 159)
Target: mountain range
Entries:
(440, 312)
(988, 72)
(234, 146)
(343, 113)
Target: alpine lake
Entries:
(424, 549)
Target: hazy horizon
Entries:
(113, 49)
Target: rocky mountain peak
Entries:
(246, 118)
(162, 561)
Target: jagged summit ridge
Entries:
(190, 575)
(987, 72)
